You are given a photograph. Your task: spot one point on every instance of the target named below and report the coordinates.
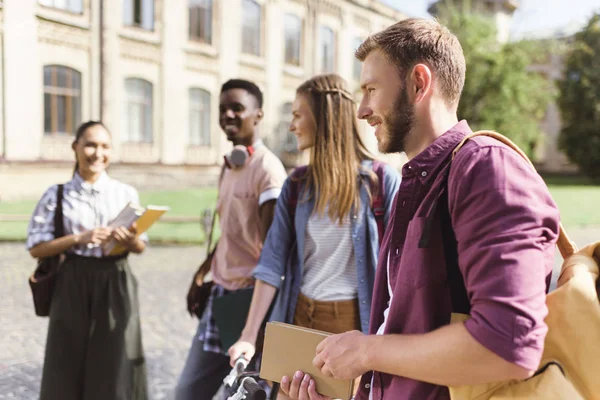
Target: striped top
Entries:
(86, 206)
(330, 272)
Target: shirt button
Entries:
(403, 203)
(362, 281)
(367, 386)
(364, 302)
(424, 174)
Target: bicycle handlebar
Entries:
(253, 389)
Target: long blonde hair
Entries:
(333, 170)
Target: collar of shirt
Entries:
(427, 162)
(96, 187)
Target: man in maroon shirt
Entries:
(499, 233)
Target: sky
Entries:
(532, 16)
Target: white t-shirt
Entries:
(329, 262)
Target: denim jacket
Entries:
(281, 262)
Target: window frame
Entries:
(300, 37)
(73, 99)
(203, 108)
(67, 8)
(258, 34)
(357, 65)
(129, 6)
(322, 30)
(144, 99)
(195, 8)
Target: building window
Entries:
(251, 28)
(287, 138)
(200, 20)
(74, 6)
(139, 13)
(357, 64)
(327, 50)
(293, 39)
(199, 117)
(62, 100)
(138, 111)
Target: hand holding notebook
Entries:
(142, 217)
(290, 348)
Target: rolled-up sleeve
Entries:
(41, 224)
(276, 249)
(506, 226)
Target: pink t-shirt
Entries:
(241, 193)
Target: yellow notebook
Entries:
(289, 348)
(143, 217)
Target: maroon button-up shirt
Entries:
(506, 226)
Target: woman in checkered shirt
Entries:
(94, 345)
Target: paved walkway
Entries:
(163, 274)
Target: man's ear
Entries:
(422, 81)
(73, 145)
(259, 116)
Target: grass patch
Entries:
(576, 197)
(186, 203)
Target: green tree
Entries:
(580, 101)
(501, 91)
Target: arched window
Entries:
(62, 99)
(199, 134)
(251, 27)
(138, 111)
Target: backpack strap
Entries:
(565, 245)
(378, 205)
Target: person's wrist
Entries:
(368, 351)
(76, 239)
(249, 336)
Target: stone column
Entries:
(274, 68)
(174, 113)
(113, 85)
(23, 81)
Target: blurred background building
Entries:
(152, 71)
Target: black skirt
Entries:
(94, 346)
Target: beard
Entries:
(398, 125)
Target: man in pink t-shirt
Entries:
(250, 185)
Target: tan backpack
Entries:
(570, 365)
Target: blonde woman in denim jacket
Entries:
(318, 269)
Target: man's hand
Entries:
(301, 387)
(342, 356)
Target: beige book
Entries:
(290, 348)
(143, 217)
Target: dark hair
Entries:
(247, 86)
(80, 132)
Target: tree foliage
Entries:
(580, 101)
(501, 91)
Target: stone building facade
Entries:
(152, 71)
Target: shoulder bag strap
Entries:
(59, 227)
